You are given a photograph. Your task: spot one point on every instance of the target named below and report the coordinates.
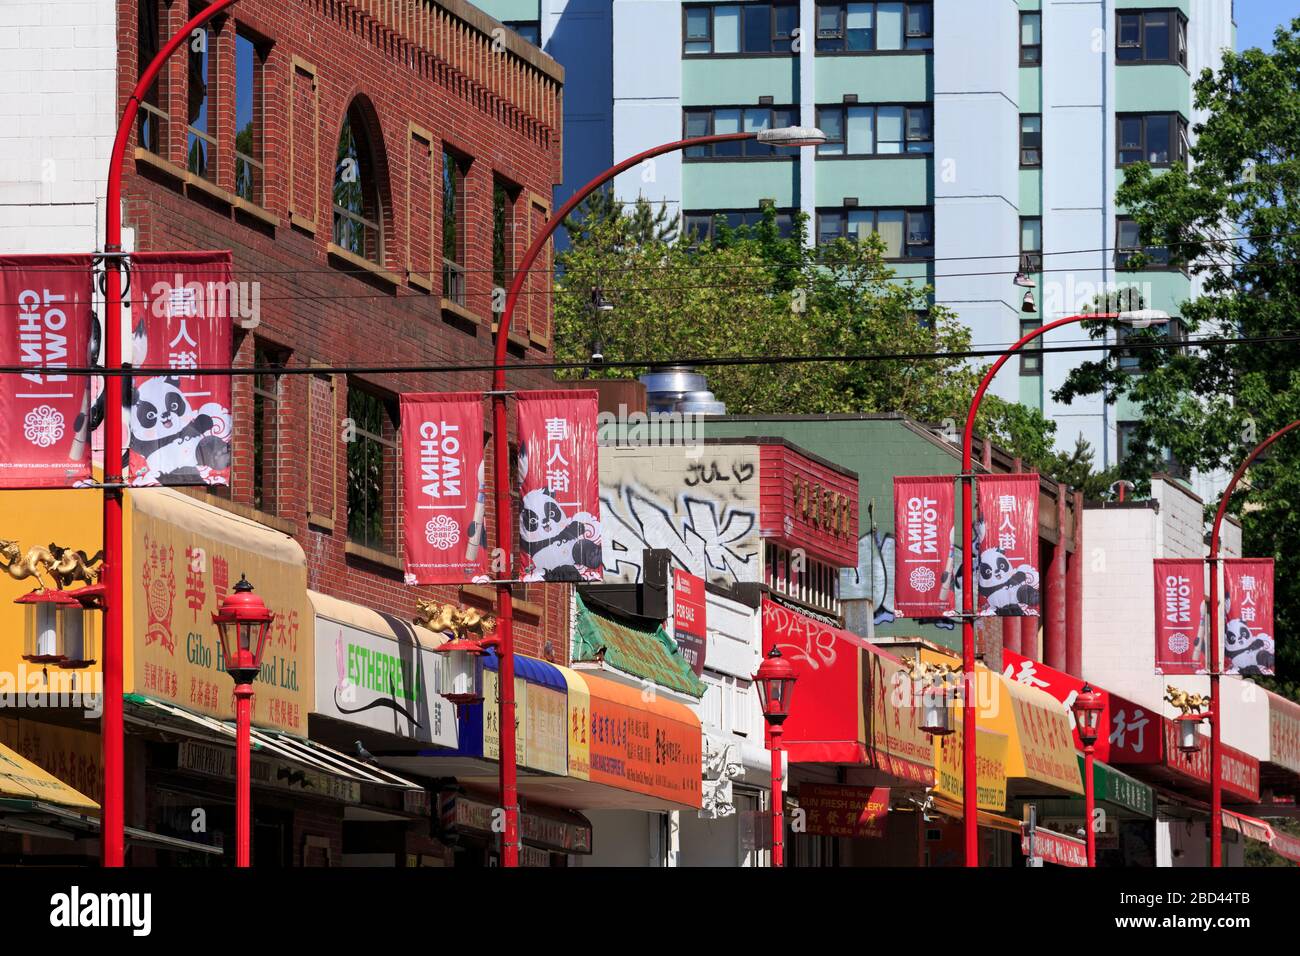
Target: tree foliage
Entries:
(1233, 221)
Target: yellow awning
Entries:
(994, 821)
(1041, 740)
(21, 778)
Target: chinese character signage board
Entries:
(1248, 616)
(184, 558)
(923, 549)
(445, 494)
(45, 323)
(179, 427)
(1180, 612)
(559, 510)
(1238, 771)
(844, 811)
(1006, 546)
(990, 768)
(1052, 847)
(689, 624)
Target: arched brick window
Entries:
(360, 212)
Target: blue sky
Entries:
(1258, 19)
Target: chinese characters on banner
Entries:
(1180, 609)
(179, 427)
(923, 557)
(559, 510)
(689, 620)
(1248, 616)
(444, 490)
(47, 322)
(844, 811)
(1006, 546)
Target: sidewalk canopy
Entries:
(646, 652)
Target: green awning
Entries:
(639, 651)
(1120, 789)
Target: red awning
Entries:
(1248, 826)
(1284, 844)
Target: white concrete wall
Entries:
(647, 94)
(58, 115)
(622, 838)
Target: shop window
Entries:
(372, 456)
(358, 206)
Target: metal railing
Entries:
(357, 234)
(453, 281)
(200, 153)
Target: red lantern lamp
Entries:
(1087, 714)
(244, 623)
(775, 680)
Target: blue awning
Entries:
(531, 670)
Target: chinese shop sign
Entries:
(844, 811)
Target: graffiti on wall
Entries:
(873, 579)
(701, 508)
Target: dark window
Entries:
(530, 30)
(702, 225)
(874, 27)
(717, 120)
(875, 130)
(372, 454)
(1130, 360)
(1031, 244)
(1031, 39)
(453, 231)
(266, 428)
(153, 121)
(358, 212)
(249, 171)
(1151, 36)
(504, 197)
(730, 28)
(201, 143)
(1156, 138)
(1128, 244)
(1031, 139)
(906, 233)
(1031, 355)
(1127, 433)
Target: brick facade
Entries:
(417, 78)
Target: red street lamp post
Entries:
(775, 681)
(244, 623)
(1087, 714)
(1216, 776)
(113, 836)
(505, 642)
(970, 822)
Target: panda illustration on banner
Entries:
(1248, 653)
(1008, 590)
(556, 546)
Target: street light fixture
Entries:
(775, 681)
(1087, 715)
(792, 136)
(244, 623)
(459, 683)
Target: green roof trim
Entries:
(641, 652)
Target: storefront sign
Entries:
(445, 488)
(923, 549)
(843, 811)
(1248, 616)
(559, 476)
(990, 768)
(1180, 615)
(690, 628)
(807, 504)
(381, 681)
(898, 745)
(214, 761)
(543, 832)
(45, 322)
(492, 717)
(1052, 847)
(1283, 732)
(185, 557)
(1006, 572)
(73, 756)
(1131, 730)
(544, 727)
(1239, 771)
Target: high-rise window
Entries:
(530, 30)
(1031, 139)
(739, 28)
(201, 145)
(1128, 243)
(1156, 138)
(906, 233)
(875, 130)
(453, 228)
(874, 27)
(1031, 244)
(1151, 36)
(716, 120)
(372, 456)
(1031, 355)
(1031, 39)
(248, 119)
(703, 224)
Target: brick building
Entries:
(376, 168)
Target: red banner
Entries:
(1052, 847)
(1180, 613)
(689, 617)
(44, 417)
(844, 811)
(1248, 616)
(923, 555)
(1006, 546)
(445, 493)
(559, 511)
(179, 428)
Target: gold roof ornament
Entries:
(1187, 703)
(460, 623)
(61, 565)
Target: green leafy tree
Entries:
(1233, 221)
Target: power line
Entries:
(145, 371)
